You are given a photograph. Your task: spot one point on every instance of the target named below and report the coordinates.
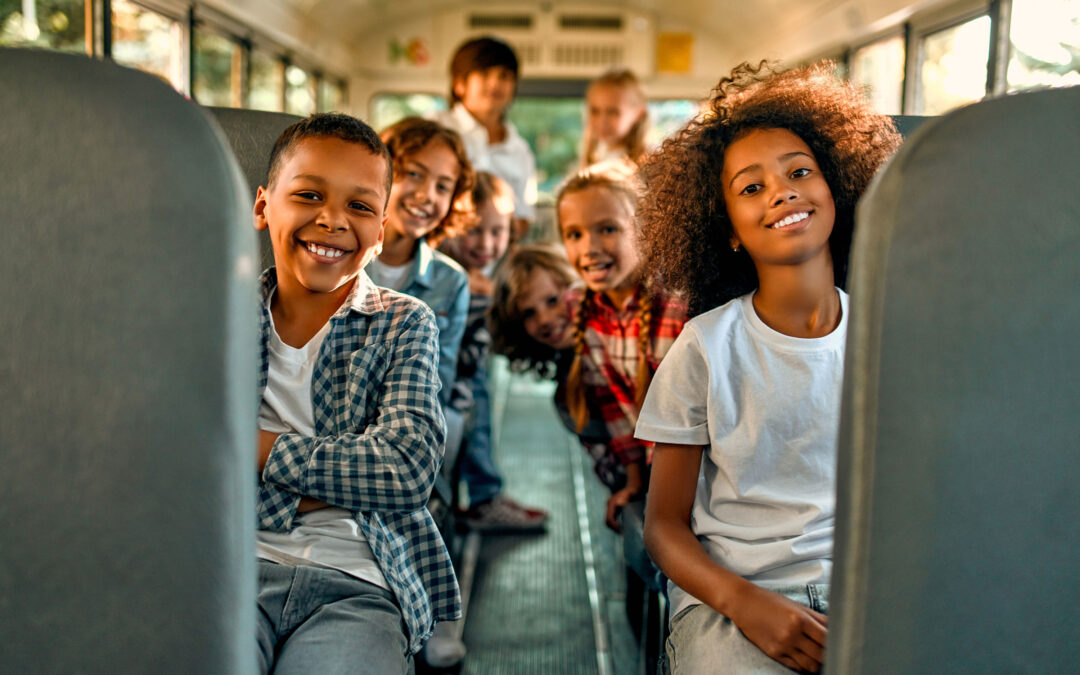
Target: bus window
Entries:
(667, 117)
(152, 42)
(218, 64)
(954, 66)
(1044, 38)
(59, 25)
(331, 95)
(879, 68)
(552, 126)
(266, 81)
(299, 91)
(389, 108)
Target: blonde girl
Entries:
(616, 120)
(623, 326)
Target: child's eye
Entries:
(750, 189)
(610, 229)
(308, 194)
(799, 173)
(573, 235)
(360, 206)
(413, 174)
(553, 300)
(444, 188)
(528, 314)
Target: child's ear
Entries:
(734, 241)
(459, 87)
(260, 209)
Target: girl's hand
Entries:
(615, 503)
(786, 631)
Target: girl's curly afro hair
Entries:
(685, 226)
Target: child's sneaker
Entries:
(504, 515)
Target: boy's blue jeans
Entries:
(317, 620)
(704, 641)
(477, 464)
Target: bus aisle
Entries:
(553, 602)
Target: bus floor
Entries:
(549, 603)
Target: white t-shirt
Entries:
(390, 276)
(766, 408)
(328, 537)
(511, 159)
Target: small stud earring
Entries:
(735, 248)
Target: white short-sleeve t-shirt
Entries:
(766, 408)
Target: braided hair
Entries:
(625, 189)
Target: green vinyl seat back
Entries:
(252, 133)
(128, 349)
(958, 523)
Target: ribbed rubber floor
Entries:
(530, 609)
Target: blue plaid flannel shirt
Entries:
(378, 444)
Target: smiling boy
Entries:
(352, 570)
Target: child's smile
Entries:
(777, 198)
(544, 311)
(598, 232)
(325, 213)
(422, 190)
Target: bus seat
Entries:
(127, 377)
(252, 133)
(907, 124)
(957, 520)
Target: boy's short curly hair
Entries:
(327, 125)
(685, 226)
(409, 136)
(505, 323)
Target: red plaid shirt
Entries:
(610, 362)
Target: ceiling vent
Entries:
(590, 22)
(500, 21)
(574, 55)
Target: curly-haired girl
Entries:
(622, 328)
(750, 212)
(431, 173)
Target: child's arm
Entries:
(390, 465)
(786, 631)
(450, 339)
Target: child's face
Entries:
(325, 212)
(487, 92)
(598, 230)
(544, 310)
(611, 111)
(777, 198)
(422, 191)
(487, 240)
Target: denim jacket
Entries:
(378, 445)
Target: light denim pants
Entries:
(317, 620)
(704, 641)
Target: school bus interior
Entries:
(127, 373)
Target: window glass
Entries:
(47, 24)
(1045, 44)
(299, 91)
(667, 117)
(266, 78)
(879, 69)
(331, 96)
(216, 80)
(552, 127)
(954, 65)
(389, 108)
(149, 41)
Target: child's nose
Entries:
(331, 218)
(784, 193)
